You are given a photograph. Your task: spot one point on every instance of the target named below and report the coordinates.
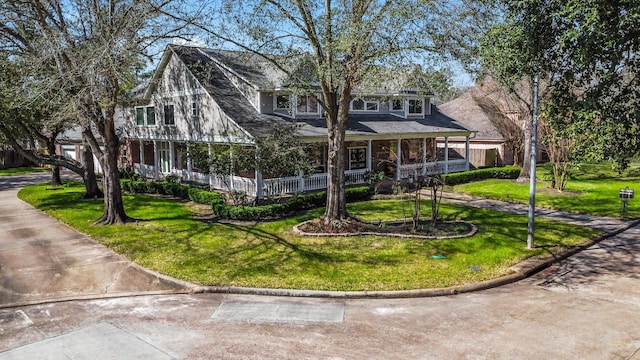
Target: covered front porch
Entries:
(398, 158)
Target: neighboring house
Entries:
(207, 96)
(9, 158)
(487, 147)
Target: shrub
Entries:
(297, 203)
(223, 210)
(506, 172)
(172, 189)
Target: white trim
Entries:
(181, 93)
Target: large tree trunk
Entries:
(92, 191)
(525, 173)
(55, 169)
(336, 209)
(113, 205)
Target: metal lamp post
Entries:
(532, 187)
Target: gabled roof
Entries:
(210, 69)
(225, 94)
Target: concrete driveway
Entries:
(43, 260)
(587, 307)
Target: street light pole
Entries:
(532, 187)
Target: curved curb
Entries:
(522, 271)
(89, 297)
(296, 229)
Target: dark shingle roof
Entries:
(226, 95)
(371, 125)
(239, 109)
(466, 109)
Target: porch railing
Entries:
(432, 168)
(298, 184)
(145, 170)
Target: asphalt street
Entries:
(585, 307)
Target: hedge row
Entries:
(506, 172)
(166, 188)
(223, 210)
(297, 203)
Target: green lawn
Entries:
(269, 254)
(22, 170)
(592, 189)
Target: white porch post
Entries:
(189, 163)
(369, 155)
(171, 157)
(424, 156)
(300, 181)
(156, 161)
(398, 158)
(446, 154)
(259, 182)
(467, 154)
(142, 168)
(210, 174)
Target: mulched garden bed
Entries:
(353, 227)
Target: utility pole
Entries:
(532, 187)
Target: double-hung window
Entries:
(397, 105)
(357, 158)
(195, 109)
(169, 118)
(151, 115)
(364, 104)
(145, 116)
(282, 102)
(415, 106)
(307, 104)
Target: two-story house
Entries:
(200, 95)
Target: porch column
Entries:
(398, 158)
(259, 182)
(156, 161)
(189, 163)
(171, 157)
(446, 154)
(467, 154)
(369, 155)
(210, 174)
(142, 169)
(301, 181)
(424, 156)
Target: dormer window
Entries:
(415, 106)
(283, 102)
(397, 105)
(363, 104)
(307, 104)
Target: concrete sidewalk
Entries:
(43, 260)
(606, 224)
